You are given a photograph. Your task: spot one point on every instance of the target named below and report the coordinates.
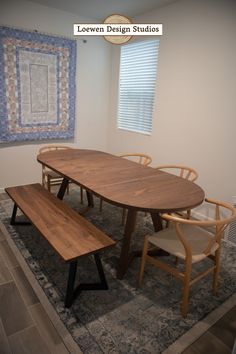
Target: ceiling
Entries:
(100, 9)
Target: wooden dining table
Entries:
(126, 184)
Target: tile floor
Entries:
(219, 339)
(24, 325)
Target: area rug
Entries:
(125, 318)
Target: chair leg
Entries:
(143, 260)
(43, 180)
(81, 195)
(49, 184)
(216, 271)
(167, 222)
(123, 216)
(186, 288)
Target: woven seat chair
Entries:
(184, 172)
(143, 159)
(181, 171)
(51, 178)
(192, 241)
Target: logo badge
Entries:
(117, 19)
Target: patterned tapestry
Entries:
(37, 86)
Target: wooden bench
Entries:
(70, 234)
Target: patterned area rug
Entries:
(123, 319)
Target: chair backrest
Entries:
(182, 171)
(223, 214)
(138, 157)
(53, 147)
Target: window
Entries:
(138, 71)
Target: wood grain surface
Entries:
(123, 182)
(67, 232)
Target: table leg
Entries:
(90, 199)
(62, 190)
(125, 254)
(157, 222)
(63, 187)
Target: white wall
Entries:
(18, 161)
(194, 119)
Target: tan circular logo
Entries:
(117, 19)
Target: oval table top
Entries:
(123, 182)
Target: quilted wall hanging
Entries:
(37, 86)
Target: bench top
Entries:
(70, 234)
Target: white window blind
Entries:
(138, 74)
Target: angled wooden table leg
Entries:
(125, 254)
(63, 187)
(90, 199)
(90, 203)
(157, 222)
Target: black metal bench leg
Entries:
(101, 272)
(70, 284)
(72, 293)
(13, 218)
